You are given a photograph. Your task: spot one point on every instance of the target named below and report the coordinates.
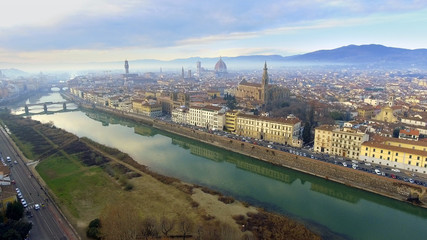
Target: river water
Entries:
(334, 210)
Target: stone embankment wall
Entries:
(370, 182)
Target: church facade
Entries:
(261, 93)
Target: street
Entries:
(48, 222)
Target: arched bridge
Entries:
(45, 106)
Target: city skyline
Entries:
(62, 35)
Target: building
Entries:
(346, 142)
(343, 142)
(365, 112)
(147, 109)
(263, 92)
(409, 134)
(279, 130)
(179, 115)
(208, 117)
(126, 67)
(323, 139)
(220, 68)
(230, 121)
(394, 152)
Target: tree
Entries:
(14, 210)
(149, 228)
(93, 229)
(120, 221)
(166, 225)
(185, 226)
(306, 133)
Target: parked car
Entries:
(378, 172)
(395, 170)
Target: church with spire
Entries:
(262, 92)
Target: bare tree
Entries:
(185, 225)
(166, 225)
(149, 228)
(120, 222)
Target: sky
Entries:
(63, 34)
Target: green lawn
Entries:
(81, 189)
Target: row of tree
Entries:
(123, 222)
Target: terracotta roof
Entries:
(413, 132)
(326, 127)
(277, 120)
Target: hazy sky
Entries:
(63, 32)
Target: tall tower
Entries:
(199, 68)
(126, 67)
(182, 73)
(264, 84)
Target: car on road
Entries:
(368, 164)
(8, 159)
(395, 170)
(378, 172)
(37, 206)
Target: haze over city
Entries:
(48, 34)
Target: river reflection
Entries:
(346, 211)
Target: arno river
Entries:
(334, 210)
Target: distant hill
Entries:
(366, 54)
(363, 56)
(13, 73)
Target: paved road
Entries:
(48, 223)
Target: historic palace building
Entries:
(279, 130)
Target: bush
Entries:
(93, 229)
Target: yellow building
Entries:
(343, 142)
(386, 115)
(147, 109)
(323, 139)
(214, 93)
(279, 130)
(346, 142)
(366, 112)
(399, 153)
(230, 121)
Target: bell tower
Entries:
(264, 84)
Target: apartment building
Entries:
(344, 142)
(394, 152)
(279, 130)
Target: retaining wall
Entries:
(354, 178)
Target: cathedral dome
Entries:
(220, 66)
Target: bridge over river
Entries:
(46, 105)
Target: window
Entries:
(409, 162)
(373, 155)
(410, 156)
(367, 150)
(373, 150)
(397, 154)
(418, 158)
(388, 152)
(381, 157)
(388, 158)
(381, 151)
(366, 154)
(395, 159)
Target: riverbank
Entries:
(387, 187)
